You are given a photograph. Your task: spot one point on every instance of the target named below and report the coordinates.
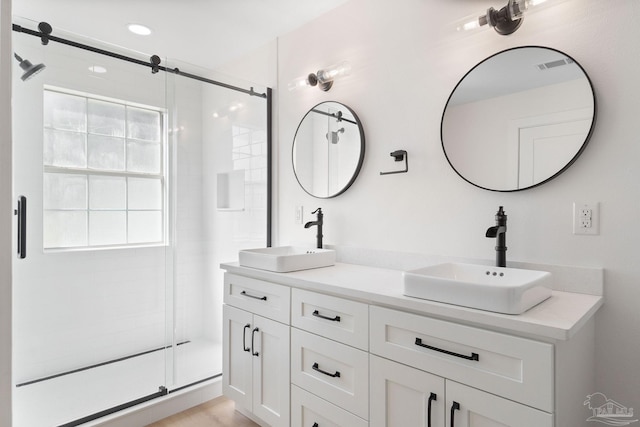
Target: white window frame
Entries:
(88, 172)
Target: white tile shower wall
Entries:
(78, 308)
(406, 58)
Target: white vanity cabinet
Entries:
(308, 349)
(256, 347)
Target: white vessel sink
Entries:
(287, 258)
(498, 289)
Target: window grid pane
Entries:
(97, 190)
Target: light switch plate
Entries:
(299, 214)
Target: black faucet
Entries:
(317, 222)
(500, 232)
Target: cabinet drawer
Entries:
(335, 372)
(257, 296)
(309, 410)
(335, 318)
(516, 368)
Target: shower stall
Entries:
(136, 177)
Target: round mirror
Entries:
(328, 150)
(518, 119)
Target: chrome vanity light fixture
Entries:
(505, 20)
(322, 78)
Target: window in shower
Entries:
(104, 175)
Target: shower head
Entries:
(30, 70)
(332, 136)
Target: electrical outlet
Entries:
(586, 218)
(299, 214)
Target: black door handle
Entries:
(455, 407)
(253, 334)
(244, 337)
(432, 397)
(474, 356)
(315, 425)
(253, 296)
(317, 368)
(21, 212)
(316, 313)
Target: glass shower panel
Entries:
(90, 298)
(218, 137)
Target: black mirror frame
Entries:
(360, 160)
(573, 159)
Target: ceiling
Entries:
(208, 33)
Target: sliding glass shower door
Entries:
(90, 304)
(134, 187)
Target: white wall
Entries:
(406, 58)
(6, 217)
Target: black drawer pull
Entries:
(316, 368)
(244, 337)
(455, 407)
(315, 425)
(333, 319)
(474, 356)
(252, 296)
(253, 333)
(432, 397)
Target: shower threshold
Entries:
(83, 395)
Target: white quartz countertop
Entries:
(557, 318)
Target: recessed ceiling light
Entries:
(139, 29)
(97, 69)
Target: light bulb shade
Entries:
(303, 82)
(329, 74)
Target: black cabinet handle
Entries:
(317, 368)
(315, 425)
(244, 337)
(253, 334)
(333, 319)
(432, 397)
(253, 296)
(455, 407)
(21, 211)
(474, 356)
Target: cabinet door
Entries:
(470, 407)
(236, 359)
(401, 396)
(271, 377)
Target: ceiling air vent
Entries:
(554, 64)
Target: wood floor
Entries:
(219, 412)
